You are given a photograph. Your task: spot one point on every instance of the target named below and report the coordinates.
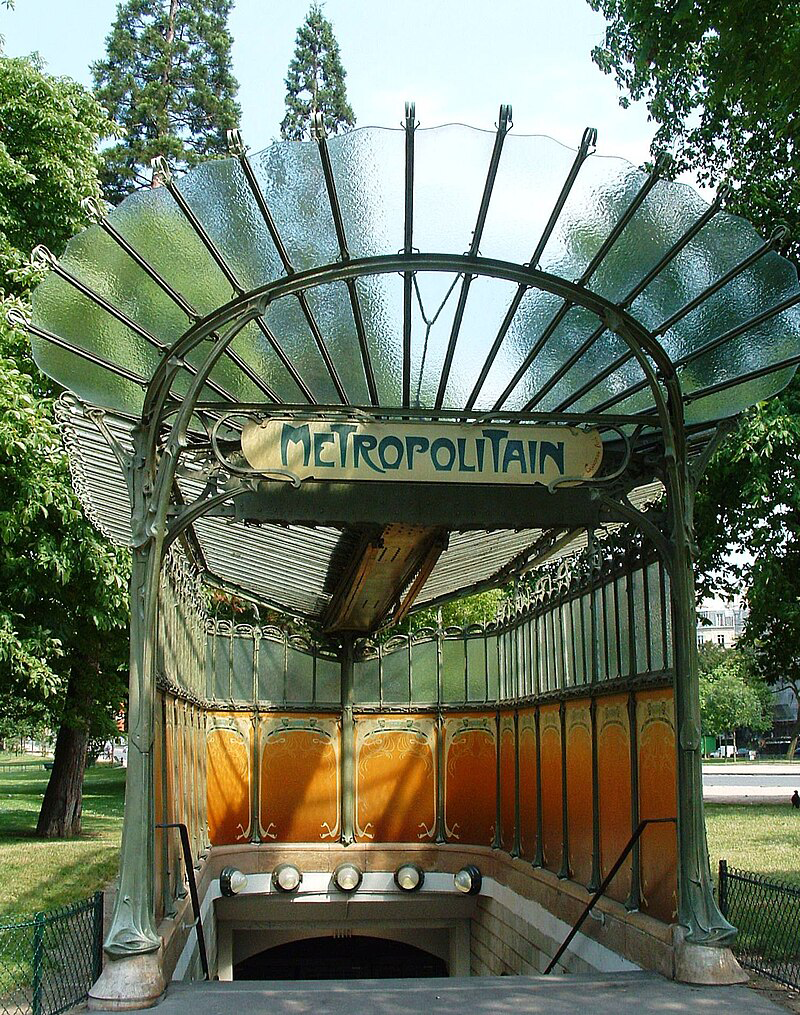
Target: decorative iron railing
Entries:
(49, 961)
(767, 915)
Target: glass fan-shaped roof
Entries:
(721, 303)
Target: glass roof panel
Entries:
(451, 165)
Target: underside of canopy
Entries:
(403, 275)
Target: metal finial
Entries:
(161, 168)
(505, 122)
(42, 257)
(95, 209)
(236, 145)
(589, 139)
(16, 317)
(317, 126)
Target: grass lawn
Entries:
(38, 874)
(764, 838)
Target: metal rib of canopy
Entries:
(444, 270)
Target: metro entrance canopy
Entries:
(484, 301)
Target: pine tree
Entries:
(167, 83)
(315, 82)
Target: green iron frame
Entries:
(151, 474)
(165, 432)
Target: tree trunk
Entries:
(60, 815)
(793, 736)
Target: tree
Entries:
(722, 80)
(63, 605)
(730, 698)
(773, 626)
(168, 85)
(315, 82)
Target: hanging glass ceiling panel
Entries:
(205, 239)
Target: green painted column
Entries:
(697, 908)
(132, 930)
(348, 746)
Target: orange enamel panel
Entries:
(299, 785)
(527, 784)
(508, 781)
(470, 797)
(657, 799)
(227, 786)
(552, 803)
(579, 789)
(395, 785)
(614, 779)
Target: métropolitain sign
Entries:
(422, 452)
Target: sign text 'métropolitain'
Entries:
(422, 452)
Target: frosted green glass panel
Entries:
(656, 630)
(209, 668)
(299, 675)
(493, 667)
(242, 674)
(476, 669)
(454, 661)
(271, 667)
(624, 629)
(219, 195)
(588, 643)
(610, 630)
(367, 680)
(290, 175)
(222, 668)
(640, 620)
(327, 678)
(578, 636)
(395, 673)
(424, 667)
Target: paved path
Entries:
(642, 993)
(737, 782)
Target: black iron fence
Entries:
(767, 915)
(49, 961)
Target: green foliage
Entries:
(168, 85)
(478, 609)
(63, 600)
(731, 695)
(48, 163)
(722, 80)
(315, 81)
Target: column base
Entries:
(136, 981)
(705, 964)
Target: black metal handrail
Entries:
(187, 862)
(605, 883)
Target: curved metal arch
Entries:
(638, 338)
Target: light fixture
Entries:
(409, 877)
(347, 877)
(286, 877)
(232, 881)
(468, 880)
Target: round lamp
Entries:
(232, 881)
(409, 877)
(347, 877)
(468, 880)
(286, 877)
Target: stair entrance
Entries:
(345, 958)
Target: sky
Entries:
(457, 59)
